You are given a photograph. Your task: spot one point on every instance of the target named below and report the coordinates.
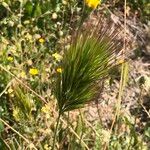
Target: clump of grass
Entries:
(88, 60)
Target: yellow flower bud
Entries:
(57, 56)
(23, 75)
(59, 70)
(10, 58)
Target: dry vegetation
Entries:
(74, 75)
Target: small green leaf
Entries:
(1, 127)
(37, 11)
(6, 6)
(147, 132)
(29, 8)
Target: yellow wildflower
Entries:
(28, 37)
(57, 56)
(41, 40)
(92, 3)
(10, 90)
(45, 109)
(23, 75)
(59, 70)
(46, 147)
(33, 71)
(10, 58)
(16, 113)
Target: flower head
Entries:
(41, 40)
(33, 71)
(46, 147)
(10, 58)
(10, 90)
(23, 75)
(59, 70)
(47, 110)
(57, 56)
(92, 3)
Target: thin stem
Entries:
(122, 80)
(55, 133)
